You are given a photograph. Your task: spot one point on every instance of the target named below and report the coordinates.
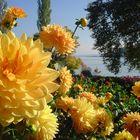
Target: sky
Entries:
(64, 12)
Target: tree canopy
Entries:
(3, 5)
(44, 12)
(115, 26)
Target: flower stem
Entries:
(75, 30)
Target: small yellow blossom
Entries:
(124, 135)
(78, 87)
(104, 99)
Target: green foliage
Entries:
(16, 132)
(116, 24)
(44, 12)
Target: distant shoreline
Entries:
(88, 55)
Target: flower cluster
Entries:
(97, 111)
(87, 114)
(11, 15)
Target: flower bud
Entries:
(83, 22)
(108, 96)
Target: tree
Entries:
(3, 5)
(44, 12)
(115, 26)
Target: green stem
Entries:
(75, 30)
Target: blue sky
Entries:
(64, 12)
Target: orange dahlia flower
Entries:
(65, 103)
(58, 37)
(26, 83)
(132, 123)
(12, 13)
(16, 12)
(90, 97)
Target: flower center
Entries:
(8, 69)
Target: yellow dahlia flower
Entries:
(103, 122)
(45, 123)
(82, 114)
(65, 103)
(58, 37)
(136, 89)
(90, 98)
(132, 123)
(16, 12)
(65, 80)
(124, 135)
(25, 81)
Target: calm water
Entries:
(96, 62)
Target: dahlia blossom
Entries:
(65, 80)
(90, 97)
(58, 37)
(103, 122)
(65, 103)
(16, 12)
(12, 13)
(45, 124)
(82, 114)
(26, 83)
(136, 89)
(132, 123)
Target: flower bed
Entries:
(114, 96)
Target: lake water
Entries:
(96, 62)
